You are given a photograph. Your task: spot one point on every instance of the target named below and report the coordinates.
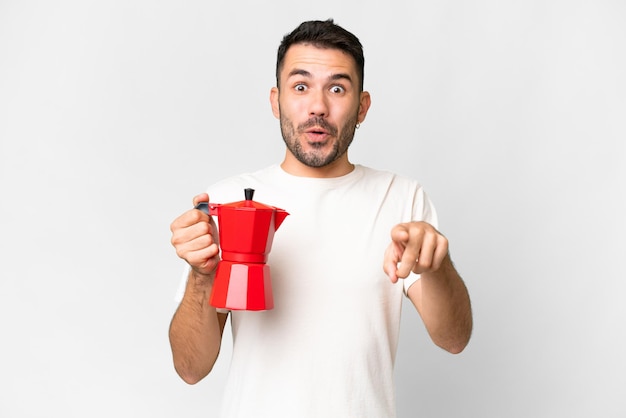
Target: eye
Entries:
(300, 87)
(337, 89)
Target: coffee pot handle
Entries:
(208, 208)
(203, 207)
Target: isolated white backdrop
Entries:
(113, 114)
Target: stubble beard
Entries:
(317, 158)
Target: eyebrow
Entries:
(298, 71)
(307, 74)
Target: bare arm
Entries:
(440, 296)
(196, 328)
(196, 332)
(442, 301)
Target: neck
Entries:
(337, 168)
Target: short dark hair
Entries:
(323, 34)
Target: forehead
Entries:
(316, 60)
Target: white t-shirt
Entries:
(328, 347)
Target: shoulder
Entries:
(401, 190)
(232, 188)
(395, 180)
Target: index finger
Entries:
(401, 235)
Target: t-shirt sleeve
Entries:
(180, 292)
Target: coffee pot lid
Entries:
(248, 204)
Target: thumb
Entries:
(202, 197)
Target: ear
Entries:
(274, 102)
(364, 105)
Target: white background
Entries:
(113, 114)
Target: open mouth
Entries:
(316, 134)
(317, 126)
(316, 130)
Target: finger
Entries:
(390, 262)
(434, 251)
(441, 252)
(202, 197)
(199, 252)
(189, 250)
(190, 224)
(399, 240)
(202, 257)
(400, 234)
(403, 253)
(194, 237)
(426, 254)
(411, 252)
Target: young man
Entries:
(356, 240)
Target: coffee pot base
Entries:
(242, 286)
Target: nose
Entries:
(318, 105)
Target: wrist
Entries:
(199, 279)
(199, 286)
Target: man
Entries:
(328, 347)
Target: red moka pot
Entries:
(246, 232)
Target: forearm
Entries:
(195, 332)
(444, 305)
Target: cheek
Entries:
(293, 108)
(349, 110)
